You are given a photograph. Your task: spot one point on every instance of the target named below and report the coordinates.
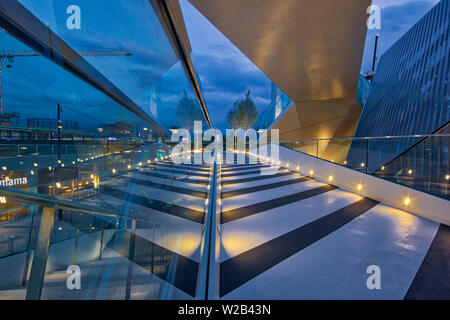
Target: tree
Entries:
(231, 118)
(243, 115)
(187, 112)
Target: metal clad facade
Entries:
(410, 93)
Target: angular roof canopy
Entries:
(312, 50)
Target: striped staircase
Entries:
(283, 235)
(287, 236)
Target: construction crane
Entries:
(371, 74)
(10, 55)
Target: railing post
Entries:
(367, 155)
(130, 258)
(27, 258)
(33, 212)
(101, 242)
(430, 165)
(75, 249)
(39, 264)
(10, 244)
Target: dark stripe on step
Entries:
(238, 165)
(234, 214)
(180, 166)
(150, 184)
(239, 192)
(181, 171)
(169, 177)
(206, 166)
(261, 177)
(157, 260)
(250, 166)
(169, 208)
(236, 271)
(432, 281)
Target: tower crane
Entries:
(9, 56)
(371, 74)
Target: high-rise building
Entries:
(410, 93)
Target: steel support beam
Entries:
(39, 264)
(171, 19)
(131, 249)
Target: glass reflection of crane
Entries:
(9, 56)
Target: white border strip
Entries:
(420, 203)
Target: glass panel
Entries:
(45, 149)
(100, 154)
(336, 151)
(146, 67)
(278, 105)
(306, 146)
(8, 150)
(423, 164)
(158, 258)
(47, 85)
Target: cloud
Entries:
(34, 86)
(226, 74)
(224, 81)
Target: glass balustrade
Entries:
(135, 230)
(418, 161)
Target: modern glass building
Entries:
(410, 92)
(409, 96)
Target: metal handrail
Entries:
(373, 138)
(50, 202)
(36, 227)
(204, 284)
(18, 227)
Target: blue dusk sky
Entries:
(152, 77)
